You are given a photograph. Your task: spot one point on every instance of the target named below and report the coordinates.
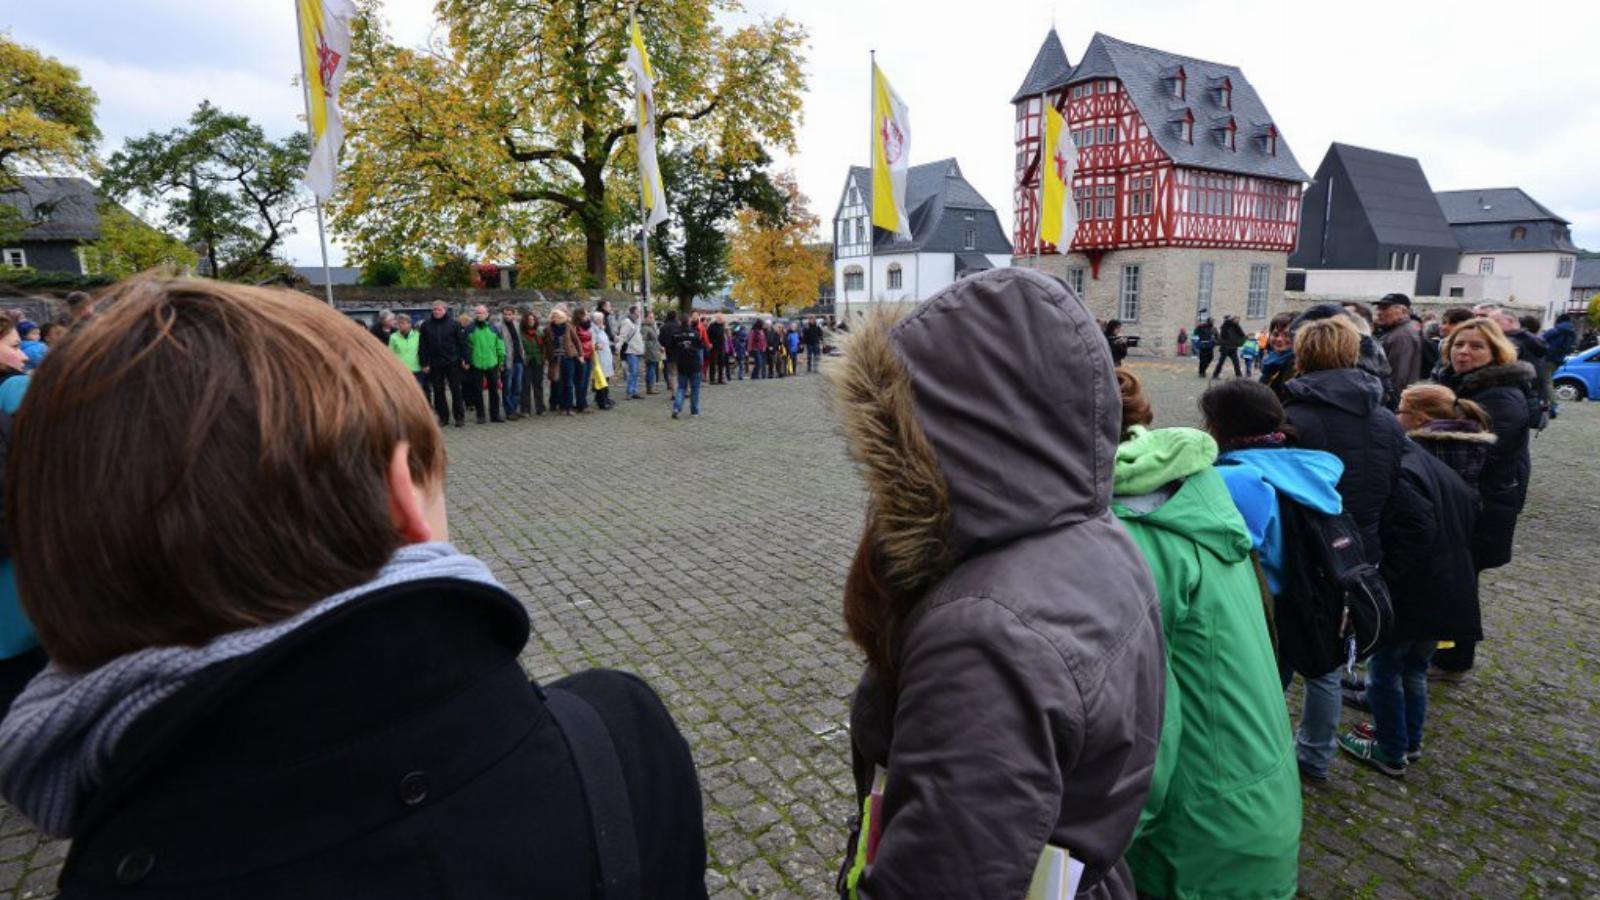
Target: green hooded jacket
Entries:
(1223, 816)
(487, 347)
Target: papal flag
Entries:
(644, 78)
(891, 148)
(324, 57)
(1058, 213)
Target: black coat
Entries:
(1507, 394)
(1233, 336)
(1340, 411)
(1427, 551)
(443, 342)
(682, 345)
(391, 749)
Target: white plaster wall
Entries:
(1360, 283)
(1533, 276)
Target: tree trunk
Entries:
(594, 225)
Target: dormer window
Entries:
(1186, 131)
(1222, 91)
(1178, 86)
(1227, 138)
(1519, 233)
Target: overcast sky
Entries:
(1484, 97)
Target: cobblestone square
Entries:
(708, 555)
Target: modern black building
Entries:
(1372, 210)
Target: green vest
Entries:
(405, 347)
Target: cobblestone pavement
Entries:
(708, 556)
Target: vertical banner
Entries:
(1058, 212)
(891, 149)
(324, 57)
(650, 188)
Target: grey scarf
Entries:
(57, 742)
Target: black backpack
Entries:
(1334, 604)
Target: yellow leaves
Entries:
(46, 112)
(773, 268)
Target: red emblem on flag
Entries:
(1061, 166)
(894, 143)
(327, 62)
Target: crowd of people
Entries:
(508, 365)
(260, 669)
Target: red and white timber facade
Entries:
(1188, 199)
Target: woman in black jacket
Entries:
(1483, 367)
(1118, 343)
(271, 676)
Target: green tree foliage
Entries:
(222, 183)
(46, 122)
(128, 246)
(692, 254)
(521, 109)
(1594, 311)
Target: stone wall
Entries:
(1169, 289)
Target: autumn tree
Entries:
(772, 265)
(691, 249)
(521, 108)
(221, 182)
(46, 122)
(128, 246)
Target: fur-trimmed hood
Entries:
(1463, 430)
(1516, 374)
(989, 413)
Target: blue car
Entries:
(1579, 377)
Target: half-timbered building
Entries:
(1188, 197)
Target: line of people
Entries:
(500, 365)
(1077, 627)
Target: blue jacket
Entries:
(16, 632)
(1255, 478)
(1558, 342)
(35, 351)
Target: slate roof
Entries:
(1144, 73)
(1482, 219)
(1586, 274)
(972, 262)
(68, 207)
(938, 199)
(1394, 194)
(1493, 205)
(1050, 69)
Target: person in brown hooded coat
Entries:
(1015, 667)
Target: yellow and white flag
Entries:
(324, 58)
(891, 148)
(1058, 213)
(644, 77)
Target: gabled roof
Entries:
(1493, 205)
(938, 198)
(1393, 193)
(66, 209)
(1483, 221)
(1050, 69)
(1146, 75)
(1586, 274)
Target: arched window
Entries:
(853, 280)
(895, 277)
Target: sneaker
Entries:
(1311, 777)
(1356, 700)
(1366, 730)
(1447, 676)
(674, 414)
(1366, 750)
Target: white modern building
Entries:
(954, 232)
(1513, 249)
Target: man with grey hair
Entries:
(384, 327)
(630, 338)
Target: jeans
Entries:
(813, 354)
(1397, 691)
(652, 371)
(1317, 740)
(513, 391)
(688, 378)
(1249, 366)
(761, 363)
(582, 378)
(565, 399)
(740, 360)
(632, 361)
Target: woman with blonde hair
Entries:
(1482, 367)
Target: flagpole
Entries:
(872, 170)
(1044, 130)
(305, 95)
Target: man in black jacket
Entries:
(1205, 344)
(681, 343)
(813, 341)
(442, 351)
(1229, 342)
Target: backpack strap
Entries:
(594, 755)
